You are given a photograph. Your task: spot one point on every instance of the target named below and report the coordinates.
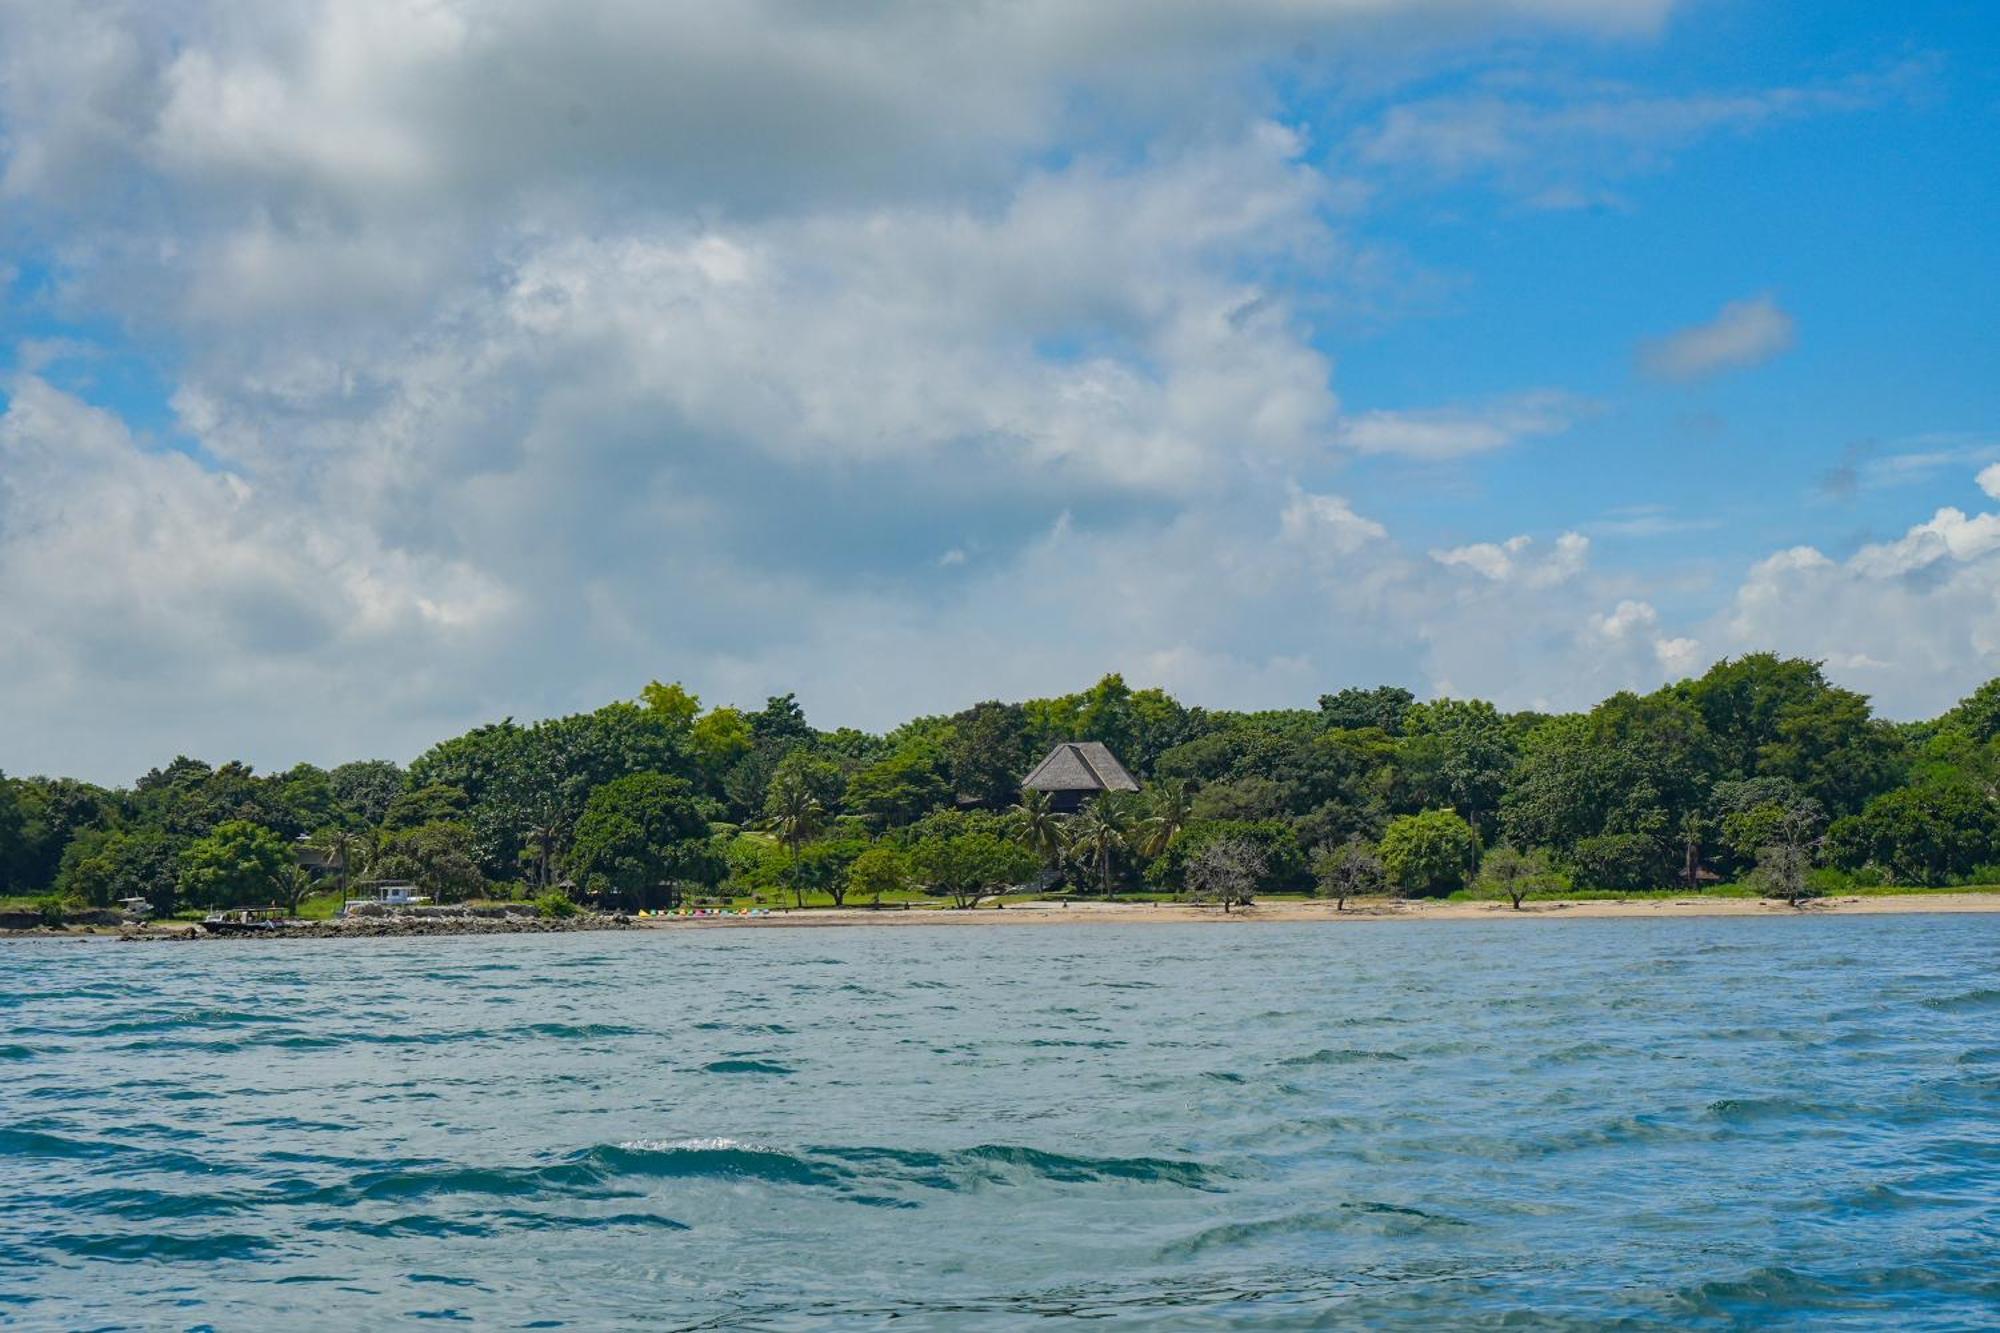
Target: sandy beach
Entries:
(1097, 914)
(1047, 914)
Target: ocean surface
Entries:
(1640, 1124)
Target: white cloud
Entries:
(1743, 333)
(540, 352)
(1327, 522)
(1452, 432)
(1552, 141)
(1914, 621)
(1517, 560)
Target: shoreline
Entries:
(1096, 914)
(1111, 914)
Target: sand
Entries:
(1047, 914)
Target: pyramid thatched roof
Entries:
(1080, 766)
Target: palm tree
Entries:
(796, 816)
(339, 846)
(294, 882)
(1167, 813)
(1101, 828)
(543, 837)
(1040, 829)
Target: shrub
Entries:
(556, 906)
(1431, 854)
(1623, 861)
(1284, 860)
(52, 907)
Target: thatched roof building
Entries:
(1075, 771)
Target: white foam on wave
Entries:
(681, 1145)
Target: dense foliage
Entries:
(1758, 769)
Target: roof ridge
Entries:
(1083, 753)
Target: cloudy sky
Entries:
(373, 368)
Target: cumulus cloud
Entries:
(1742, 334)
(1915, 620)
(1518, 560)
(523, 355)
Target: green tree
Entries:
(1516, 874)
(1457, 753)
(13, 843)
(239, 864)
(101, 866)
(879, 870)
(1933, 833)
(673, 705)
(440, 858)
(1040, 829)
(1101, 830)
(1432, 853)
(720, 738)
(988, 752)
(341, 848)
(1285, 868)
(432, 803)
(782, 721)
(641, 837)
(970, 866)
(793, 813)
(1168, 808)
(900, 788)
(1382, 708)
(364, 789)
(824, 866)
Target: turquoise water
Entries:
(1643, 1124)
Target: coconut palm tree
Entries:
(1039, 828)
(293, 883)
(793, 813)
(341, 847)
(1168, 810)
(1101, 828)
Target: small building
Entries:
(1075, 771)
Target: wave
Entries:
(738, 1066)
(1971, 1001)
(1385, 1219)
(35, 1143)
(155, 1246)
(1344, 1056)
(579, 1031)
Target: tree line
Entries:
(1759, 767)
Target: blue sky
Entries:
(373, 370)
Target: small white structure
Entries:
(387, 895)
(135, 909)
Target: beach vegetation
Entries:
(1226, 871)
(971, 865)
(1689, 787)
(1429, 854)
(239, 864)
(642, 840)
(1514, 874)
(1351, 870)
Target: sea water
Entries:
(1690, 1123)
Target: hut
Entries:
(1075, 771)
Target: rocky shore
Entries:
(386, 927)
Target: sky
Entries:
(370, 370)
